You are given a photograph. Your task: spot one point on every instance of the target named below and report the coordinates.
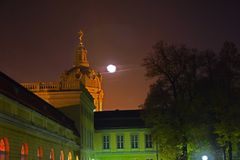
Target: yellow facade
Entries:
(126, 153)
(66, 91)
(27, 132)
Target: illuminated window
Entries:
(120, 141)
(4, 149)
(70, 156)
(40, 153)
(77, 157)
(61, 155)
(148, 141)
(51, 154)
(2, 145)
(134, 141)
(106, 142)
(24, 151)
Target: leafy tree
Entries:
(172, 107)
(226, 98)
(196, 97)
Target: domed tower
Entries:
(74, 95)
(67, 91)
(81, 72)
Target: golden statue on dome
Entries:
(81, 37)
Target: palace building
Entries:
(30, 128)
(56, 120)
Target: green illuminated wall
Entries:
(82, 114)
(127, 153)
(20, 124)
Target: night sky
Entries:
(38, 38)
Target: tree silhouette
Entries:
(195, 98)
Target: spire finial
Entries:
(81, 37)
(81, 53)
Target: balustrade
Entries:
(51, 86)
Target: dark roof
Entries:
(118, 119)
(14, 90)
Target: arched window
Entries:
(24, 151)
(4, 149)
(40, 153)
(52, 154)
(69, 156)
(61, 155)
(77, 157)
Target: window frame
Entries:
(120, 141)
(39, 153)
(52, 155)
(148, 141)
(61, 155)
(70, 155)
(106, 142)
(134, 141)
(4, 153)
(24, 151)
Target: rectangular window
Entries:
(105, 142)
(148, 141)
(120, 141)
(134, 141)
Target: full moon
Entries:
(111, 68)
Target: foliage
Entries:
(228, 97)
(195, 98)
(172, 101)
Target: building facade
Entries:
(56, 120)
(30, 128)
(122, 135)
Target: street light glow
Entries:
(111, 68)
(204, 157)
